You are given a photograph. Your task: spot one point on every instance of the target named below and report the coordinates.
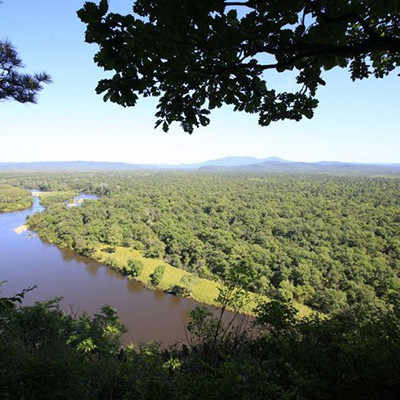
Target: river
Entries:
(84, 284)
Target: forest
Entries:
(325, 241)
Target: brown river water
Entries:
(84, 284)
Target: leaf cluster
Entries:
(197, 56)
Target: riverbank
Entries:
(16, 207)
(202, 290)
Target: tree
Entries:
(135, 268)
(157, 275)
(13, 84)
(198, 55)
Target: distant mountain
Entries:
(276, 159)
(240, 161)
(231, 161)
(250, 164)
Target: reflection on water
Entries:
(158, 295)
(133, 286)
(92, 269)
(68, 255)
(114, 274)
(84, 284)
(174, 300)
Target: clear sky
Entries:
(355, 121)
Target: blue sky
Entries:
(355, 121)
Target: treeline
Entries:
(329, 242)
(14, 198)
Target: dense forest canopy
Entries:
(330, 242)
(196, 56)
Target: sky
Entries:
(355, 121)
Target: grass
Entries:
(202, 290)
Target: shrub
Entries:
(157, 275)
(135, 268)
(111, 262)
(178, 290)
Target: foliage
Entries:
(189, 280)
(157, 275)
(14, 198)
(154, 248)
(47, 354)
(178, 290)
(13, 84)
(134, 268)
(196, 56)
(56, 197)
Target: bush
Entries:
(135, 268)
(111, 262)
(157, 275)
(136, 245)
(177, 290)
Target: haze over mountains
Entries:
(273, 164)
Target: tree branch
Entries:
(314, 50)
(348, 16)
(248, 4)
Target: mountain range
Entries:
(273, 164)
